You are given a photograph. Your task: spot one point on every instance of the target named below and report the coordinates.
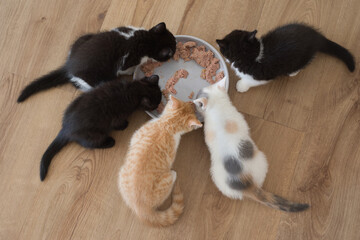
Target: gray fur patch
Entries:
(201, 94)
(232, 165)
(199, 115)
(246, 149)
(288, 206)
(237, 184)
(199, 112)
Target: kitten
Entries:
(102, 57)
(89, 118)
(283, 51)
(238, 167)
(146, 179)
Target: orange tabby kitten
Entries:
(146, 179)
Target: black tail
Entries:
(59, 142)
(52, 79)
(334, 49)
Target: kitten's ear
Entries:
(201, 103)
(194, 124)
(160, 28)
(174, 102)
(252, 36)
(154, 79)
(221, 84)
(222, 43)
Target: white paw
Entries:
(173, 173)
(241, 86)
(128, 71)
(294, 73)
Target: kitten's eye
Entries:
(200, 104)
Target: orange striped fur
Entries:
(146, 179)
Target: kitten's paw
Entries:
(128, 71)
(241, 86)
(293, 74)
(108, 143)
(173, 173)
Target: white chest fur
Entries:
(177, 138)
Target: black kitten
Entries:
(283, 51)
(89, 118)
(102, 57)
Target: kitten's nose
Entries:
(171, 53)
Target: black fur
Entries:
(89, 118)
(287, 49)
(96, 58)
(59, 142)
(52, 79)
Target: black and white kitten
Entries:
(89, 118)
(283, 51)
(102, 57)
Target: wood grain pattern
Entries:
(308, 126)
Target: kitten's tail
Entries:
(52, 79)
(270, 199)
(59, 142)
(169, 216)
(334, 49)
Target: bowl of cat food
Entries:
(195, 65)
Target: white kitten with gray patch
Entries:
(238, 167)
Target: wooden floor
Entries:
(308, 126)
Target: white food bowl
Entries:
(193, 83)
